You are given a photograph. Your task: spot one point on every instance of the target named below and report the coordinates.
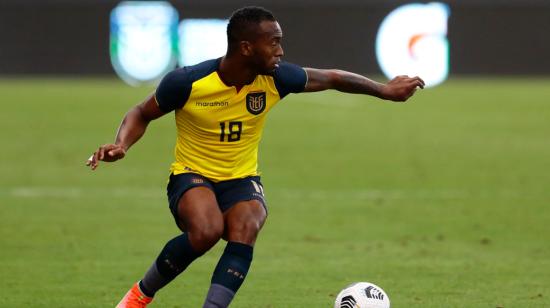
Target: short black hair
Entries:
(241, 21)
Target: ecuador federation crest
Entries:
(255, 102)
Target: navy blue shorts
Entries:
(227, 192)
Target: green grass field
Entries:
(443, 201)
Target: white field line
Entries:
(288, 193)
(74, 192)
(337, 103)
(402, 194)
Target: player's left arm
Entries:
(398, 89)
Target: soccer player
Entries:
(214, 190)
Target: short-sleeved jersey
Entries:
(218, 127)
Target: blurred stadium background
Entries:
(487, 37)
(443, 201)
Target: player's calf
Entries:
(229, 275)
(174, 258)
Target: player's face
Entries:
(267, 47)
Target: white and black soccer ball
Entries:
(362, 295)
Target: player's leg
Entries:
(202, 220)
(243, 222)
(195, 209)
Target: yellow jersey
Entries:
(219, 128)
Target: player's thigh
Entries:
(198, 211)
(192, 202)
(244, 220)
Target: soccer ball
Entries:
(362, 295)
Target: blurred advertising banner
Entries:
(147, 40)
(201, 39)
(142, 40)
(412, 40)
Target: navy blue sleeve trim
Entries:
(289, 78)
(175, 88)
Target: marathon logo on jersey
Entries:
(255, 102)
(372, 292)
(211, 104)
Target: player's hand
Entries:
(401, 88)
(107, 153)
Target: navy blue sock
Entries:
(229, 275)
(174, 258)
(233, 266)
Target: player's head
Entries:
(254, 33)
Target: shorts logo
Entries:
(197, 181)
(255, 102)
(258, 188)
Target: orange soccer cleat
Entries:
(134, 298)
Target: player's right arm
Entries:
(131, 129)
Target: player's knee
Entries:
(251, 227)
(245, 231)
(207, 236)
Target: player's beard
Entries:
(268, 69)
(263, 67)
